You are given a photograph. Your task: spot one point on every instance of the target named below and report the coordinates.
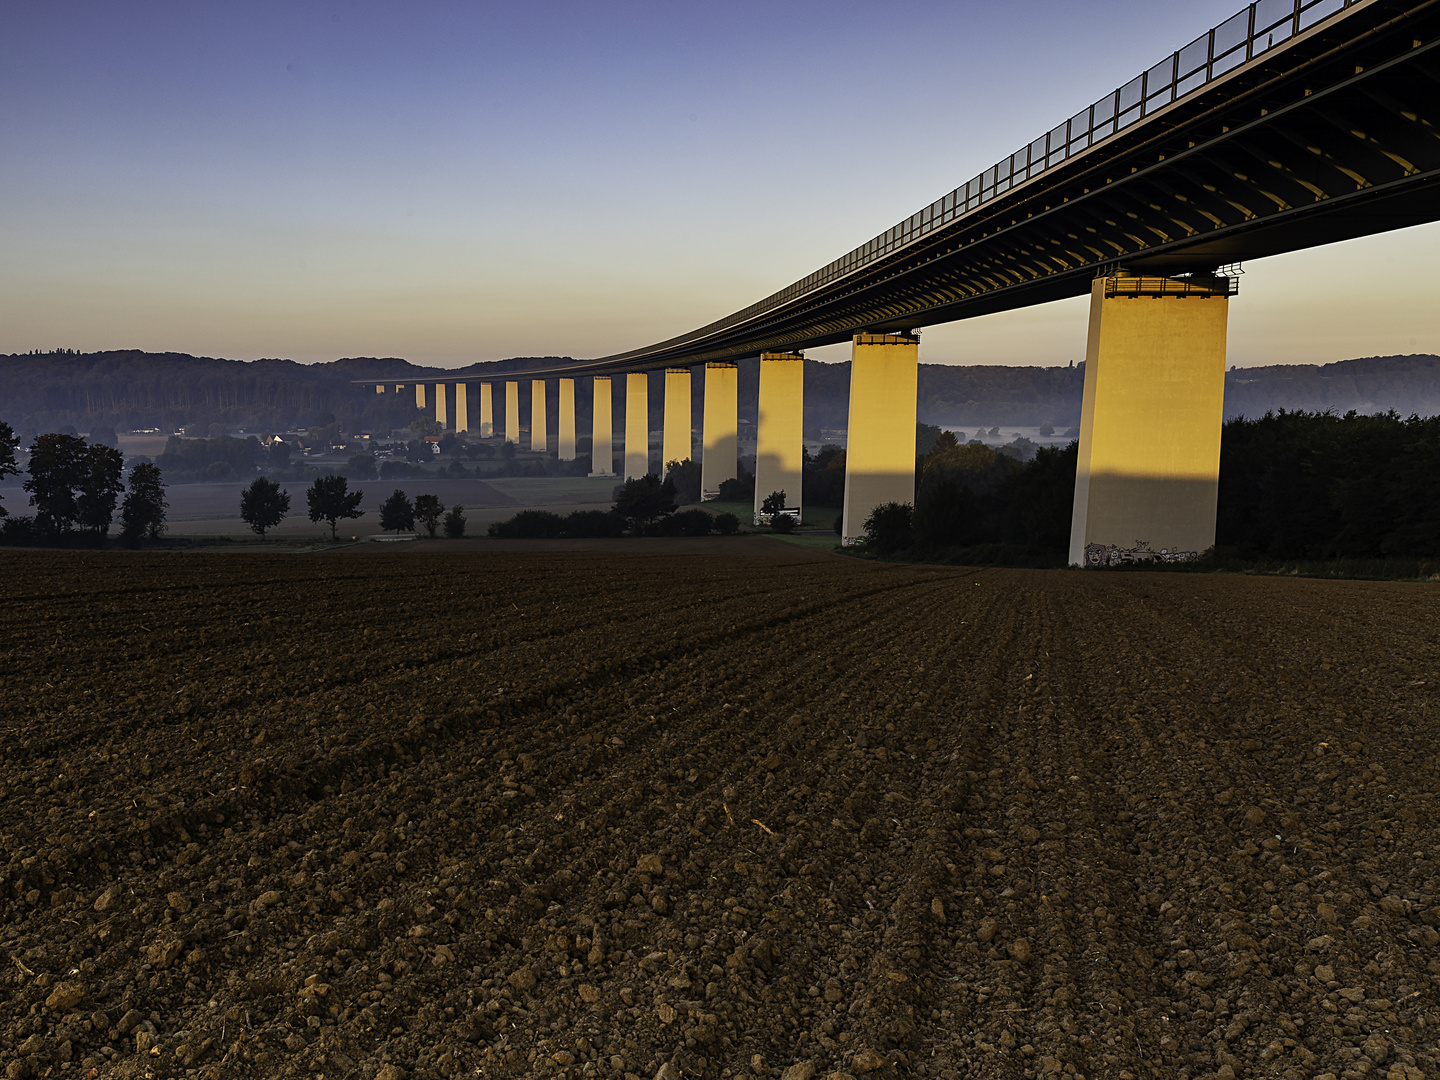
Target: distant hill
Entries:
(130, 389)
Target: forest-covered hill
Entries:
(129, 389)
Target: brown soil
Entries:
(432, 815)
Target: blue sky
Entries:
(452, 182)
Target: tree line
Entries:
(133, 389)
(75, 487)
(1293, 485)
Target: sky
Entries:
(452, 182)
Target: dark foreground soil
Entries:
(408, 815)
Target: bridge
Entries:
(1292, 124)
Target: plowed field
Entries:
(409, 815)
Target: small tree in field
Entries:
(143, 512)
(100, 486)
(773, 503)
(643, 499)
(397, 514)
(428, 509)
(331, 499)
(57, 468)
(263, 505)
(455, 522)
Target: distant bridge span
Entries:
(1293, 124)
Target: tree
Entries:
(397, 513)
(143, 512)
(101, 482)
(9, 443)
(263, 505)
(331, 499)
(57, 468)
(686, 477)
(644, 499)
(925, 437)
(428, 509)
(361, 466)
(773, 504)
(455, 522)
(279, 455)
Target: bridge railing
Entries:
(1242, 37)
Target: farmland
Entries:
(417, 814)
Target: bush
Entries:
(727, 524)
(455, 522)
(394, 469)
(686, 523)
(361, 467)
(529, 525)
(782, 523)
(20, 531)
(773, 503)
(889, 528)
(741, 489)
(591, 524)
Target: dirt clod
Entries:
(65, 996)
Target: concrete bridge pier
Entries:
(1149, 471)
(565, 439)
(442, 413)
(462, 408)
(675, 440)
(718, 458)
(637, 425)
(487, 411)
(512, 413)
(880, 445)
(602, 444)
(420, 395)
(780, 436)
(539, 435)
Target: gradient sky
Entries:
(452, 182)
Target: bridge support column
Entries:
(718, 458)
(1149, 469)
(487, 411)
(880, 444)
(442, 412)
(462, 408)
(675, 442)
(779, 435)
(420, 395)
(565, 439)
(637, 424)
(602, 445)
(512, 413)
(539, 436)
(379, 389)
